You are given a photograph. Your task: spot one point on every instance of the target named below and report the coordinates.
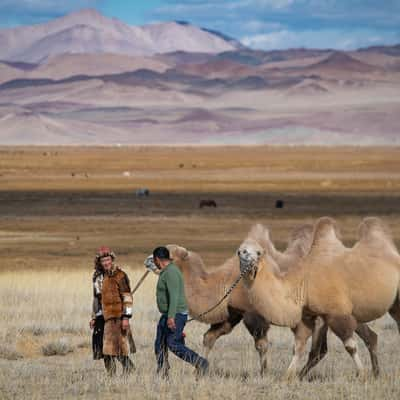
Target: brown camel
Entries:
(347, 287)
(204, 289)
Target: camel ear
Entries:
(177, 252)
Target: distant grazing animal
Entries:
(347, 287)
(142, 192)
(279, 204)
(207, 203)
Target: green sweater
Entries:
(170, 291)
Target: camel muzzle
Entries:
(248, 266)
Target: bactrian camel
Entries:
(204, 288)
(347, 287)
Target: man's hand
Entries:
(125, 324)
(91, 323)
(171, 323)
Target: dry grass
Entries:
(59, 347)
(48, 238)
(9, 352)
(59, 302)
(201, 169)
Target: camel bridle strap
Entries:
(234, 284)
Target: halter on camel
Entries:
(151, 267)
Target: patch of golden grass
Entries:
(200, 169)
(58, 305)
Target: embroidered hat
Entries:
(104, 251)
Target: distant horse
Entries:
(207, 203)
(142, 192)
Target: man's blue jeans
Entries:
(174, 341)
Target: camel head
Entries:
(178, 253)
(186, 260)
(250, 255)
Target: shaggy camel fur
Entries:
(347, 287)
(204, 289)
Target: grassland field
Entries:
(58, 204)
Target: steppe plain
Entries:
(58, 204)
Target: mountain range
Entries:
(88, 79)
(89, 32)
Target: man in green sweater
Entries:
(171, 303)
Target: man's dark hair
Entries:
(162, 253)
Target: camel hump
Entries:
(326, 237)
(300, 240)
(373, 230)
(302, 232)
(260, 234)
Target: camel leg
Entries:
(319, 346)
(301, 334)
(370, 338)
(217, 330)
(395, 312)
(258, 328)
(344, 327)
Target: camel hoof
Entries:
(291, 376)
(363, 375)
(302, 375)
(376, 372)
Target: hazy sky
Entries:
(265, 24)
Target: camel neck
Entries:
(279, 298)
(197, 268)
(204, 289)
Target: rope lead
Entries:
(223, 298)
